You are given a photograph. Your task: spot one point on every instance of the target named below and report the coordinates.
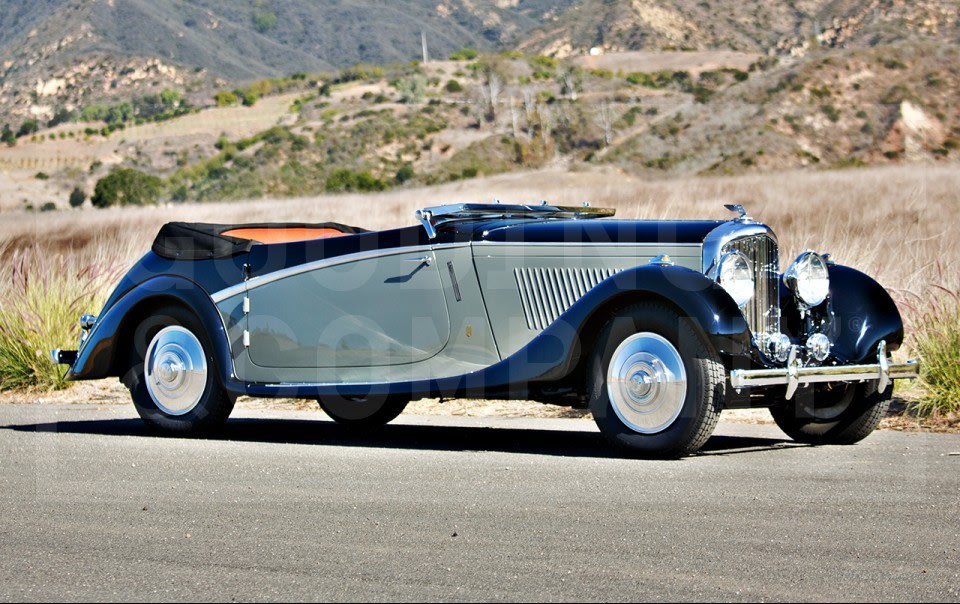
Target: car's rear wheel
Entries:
(833, 414)
(173, 379)
(363, 412)
(655, 384)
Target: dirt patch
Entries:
(650, 61)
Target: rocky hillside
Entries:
(67, 53)
(782, 27)
(836, 108)
(50, 48)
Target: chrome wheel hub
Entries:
(175, 369)
(646, 383)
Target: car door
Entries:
(366, 309)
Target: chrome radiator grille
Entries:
(763, 310)
(547, 292)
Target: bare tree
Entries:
(530, 108)
(515, 117)
(545, 117)
(604, 119)
(569, 82)
(492, 88)
(478, 109)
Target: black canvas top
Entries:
(204, 241)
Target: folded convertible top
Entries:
(205, 241)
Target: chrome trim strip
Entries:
(260, 280)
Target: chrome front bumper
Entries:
(794, 374)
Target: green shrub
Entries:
(453, 86)
(358, 73)
(738, 74)
(170, 98)
(42, 176)
(264, 22)
(94, 113)
(225, 98)
(936, 340)
(662, 79)
(404, 174)
(412, 89)
(41, 298)
(126, 186)
(60, 117)
(343, 180)
(368, 182)
(702, 94)
(28, 127)
(821, 92)
(7, 136)
(832, 113)
(544, 62)
(120, 113)
(465, 54)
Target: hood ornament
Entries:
(736, 207)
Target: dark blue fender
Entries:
(863, 313)
(96, 358)
(555, 353)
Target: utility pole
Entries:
(423, 42)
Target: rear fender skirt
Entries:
(555, 352)
(863, 313)
(96, 358)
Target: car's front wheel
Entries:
(172, 378)
(833, 414)
(655, 384)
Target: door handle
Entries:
(421, 260)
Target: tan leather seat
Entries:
(283, 234)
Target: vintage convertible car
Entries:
(655, 325)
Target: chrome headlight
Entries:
(735, 275)
(808, 279)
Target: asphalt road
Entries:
(287, 506)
